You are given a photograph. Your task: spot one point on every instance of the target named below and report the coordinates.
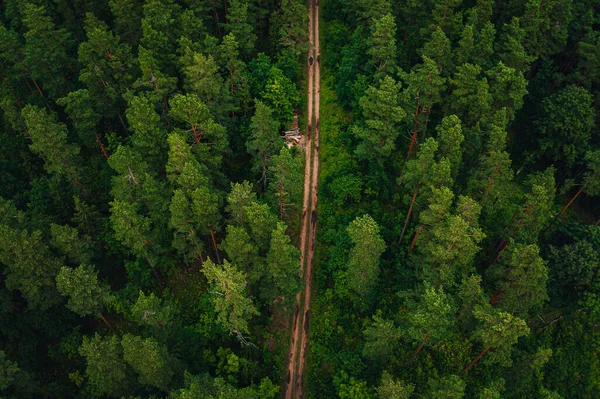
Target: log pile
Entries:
(293, 137)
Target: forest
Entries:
(150, 209)
(458, 213)
(147, 203)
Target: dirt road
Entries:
(301, 317)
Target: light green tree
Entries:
(431, 318)
(363, 263)
(286, 185)
(521, 277)
(149, 360)
(450, 138)
(105, 367)
(382, 47)
(497, 330)
(87, 296)
(234, 308)
(151, 310)
(394, 389)
(381, 339)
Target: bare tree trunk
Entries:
(475, 360)
(418, 350)
(408, 214)
(101, 146)
(212, 236)
(564, 208)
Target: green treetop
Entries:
(432, 318)
(283, 268)
(363, 264)
(264, 141)
(149, 360)
(382, 116)
(49, 140)
(521, 277)
(234, 308)
(86, 295)
(105, 367)
(383, 45)
(30, 266)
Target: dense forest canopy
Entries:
(150, 209)
(458, 238)
(148, 203)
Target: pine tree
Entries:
(498, 330)
(286, 185)
(105, 367)
(49, 140)
(87, 297)
(234, 308)
(383, 45)
(283, 268)
(521, 277)
(264, 141)
(363, 264)
(107, 66)
(30, 266)
(149, 359)
(431, 318)
(382, 115)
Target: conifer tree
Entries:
(234, 308)
(382, 114)
(105, 368)
(363, 264)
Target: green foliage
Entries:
(234, 308)
(265, 141)
(283, 268)
(86, 295)
(522, 277)
(450, 387)
(30, 267)
(149, 359)
(382, 115)
(8, 371)
(381, 340)
(105, 368)
(391, 389)
(286, 185)
(151, 310)
(363, 266)
(564, 125)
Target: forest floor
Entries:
(301, 316)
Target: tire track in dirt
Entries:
(301, 316)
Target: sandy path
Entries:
(301, 318)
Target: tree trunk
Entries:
(414, 240)
(196, 136)
(212, 236)
(475, 360)
(418, 350)
(564, 208)
(280, 200)
(107, 323)
(408, 214)
(11, 92)
(101, 146)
